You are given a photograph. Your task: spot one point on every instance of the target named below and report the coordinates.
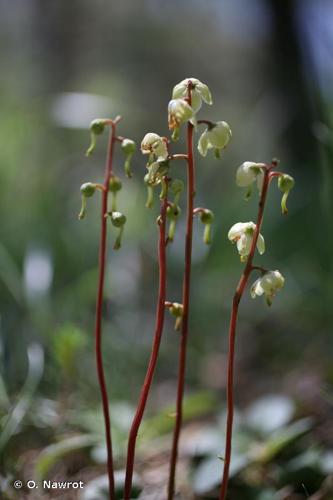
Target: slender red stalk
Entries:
(99, 307)
(232, 334)
(186, 305)
(154, 354)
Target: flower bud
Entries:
(176, 310)
(285, 184)
(118, 220)
(87, 191)
(128, 147)
(207, 217)
(179, 112)
(115, 184)
(96, 128)
(173, 213)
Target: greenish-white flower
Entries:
(154, 144)
(242, 234)
(268, 284)
(247, 173)
(215, 137)
(179, 112)
(157, 171)
(199, 92)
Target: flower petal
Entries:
(245, 174)
(204, 92)
(203, 143)
(261, 244)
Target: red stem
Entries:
(232, 335)
(154, 354)
(99, 307)
(186, 305)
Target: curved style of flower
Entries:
(285, 184)
(216, 136)
(154, 144)
(268, 284)
(242, 233)
(200, 92)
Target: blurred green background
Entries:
(269, 67)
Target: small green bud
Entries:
(176, 310)
(117, 219)
(285, 183)
(96, 128)
(88, 189)
(206, 216)
(115, 184)
(173, 212)
(128, 146)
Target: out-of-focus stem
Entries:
(155, 350)
(99, 307)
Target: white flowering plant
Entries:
(187, 100)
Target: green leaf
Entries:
(35, 372)
(56, 452)
(281, 439)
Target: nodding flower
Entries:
(247, 173)
(179, 112)
(199, 92)
(242, 234)
(268, 284)
(216, 136)
(155, 145)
